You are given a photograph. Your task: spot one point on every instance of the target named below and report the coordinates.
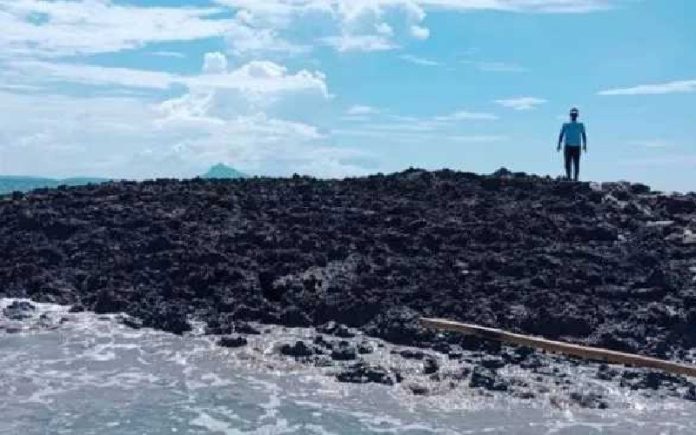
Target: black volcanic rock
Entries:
(299, 349)
(363, 373)
(19, 310)
(605, 265)
(232, 341)
(487, 379)
(344, 351)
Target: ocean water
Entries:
(65, 373)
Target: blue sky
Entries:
(140, 89)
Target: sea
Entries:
(82, 373)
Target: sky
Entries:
(334, 88)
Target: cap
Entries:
(574, 111)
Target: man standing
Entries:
(574, 134)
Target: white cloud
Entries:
(77, 27)
(366, 25)
(40, 71)
(366, 43)
(130, 138)
(420, 32)
(526, 6)
(254, 79)
(236, 116)
(464, 115)
(676, 87)
(419, 60)
(215, 63)
(521, 103)
(98, 26)
(425, 129)
(251, 36)
(360, 113)
(344, 25)
(362, 110)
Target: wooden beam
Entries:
(586, 352)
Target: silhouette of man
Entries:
(573, 133)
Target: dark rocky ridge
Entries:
(611, 266)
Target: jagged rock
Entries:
(492, 362)
(589, 400)
(419, 389)
(336, 329)
(649, 380)
(245, 328)
(363, 373)
(430, 365)
(487, 379)
(131, 322)
(299, 349)
(365, 348)
(232, 341)
(606, 373)
(344, 351)
(412, 354)
(19, 310)
(503, 250)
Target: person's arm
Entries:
(584, 139)
(560, 138)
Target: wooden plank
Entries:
(586, 352)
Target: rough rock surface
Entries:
(610, 265)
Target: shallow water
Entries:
(92, 375)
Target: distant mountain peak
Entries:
(221, 170)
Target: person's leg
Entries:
(576, 163)
(567, 155)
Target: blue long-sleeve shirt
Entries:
(573, 133)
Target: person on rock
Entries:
(573, 133)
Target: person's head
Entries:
(574, 113)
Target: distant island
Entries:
(18, 183)
(223, 171)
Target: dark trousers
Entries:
(572, 158)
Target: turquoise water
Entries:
(80, 373)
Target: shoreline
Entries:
(514, 375)
(611, 265)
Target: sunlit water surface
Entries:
(92, 375)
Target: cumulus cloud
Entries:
(344, 25)
(359, 25)
(78, 27)
(215, 63)
(420, 32)
(675, 87)
(521, 103)
(64, 28)
(231, 115)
